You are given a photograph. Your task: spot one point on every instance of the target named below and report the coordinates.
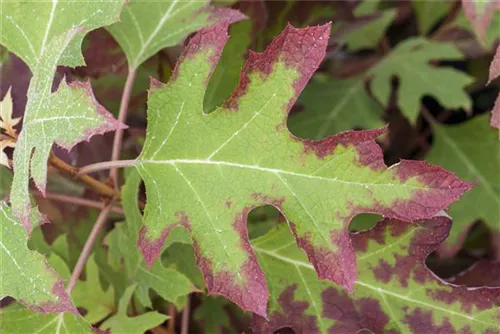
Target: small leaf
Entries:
(147, 27)
(480, 13)
(6, 121)
(121, 323)
(471, 150)
(218, 166)
(332, 105)
(24, 274)
(15, 319)
(495, 73)
(90, 295)
(428, 13)
(395, 292)
(410, 63)
(212, 314)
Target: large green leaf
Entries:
(121, 323)
(146, 27)
(16, 319)
(395, 292)
(28, 27)
(69, 115)
(167, 282)
(410, 63)
(332, 105)
(24, 274)
(205, 172)
(471, 150)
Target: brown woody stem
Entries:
(100, 187)
(79, 201)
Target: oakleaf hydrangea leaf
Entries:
(218, 166)
(480, 14)
(89, 294)
(29, 26)
(16, 319)
(25, 275)
(428, 13)
(167, 282)
(495, 73)
(410, 63)
(332, 105)
(394, 293)
(123, 324)
(146, 27)
(472, 150)
(66, 117)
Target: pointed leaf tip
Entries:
(299, 48)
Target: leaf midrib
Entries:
(175, 162)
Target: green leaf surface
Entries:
(28, 27)
(471, 150)
(25, 275)
(219, 166)
(69, 115)
(167, 282)
(16, 319)
(212, 315)
(332, 105)
(121, 323)
(146, 27)
(428, 13)
(410, 63)
(89, 294)
(369, 34)
(395, 292)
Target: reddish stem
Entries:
(87, 248)
(122, 117)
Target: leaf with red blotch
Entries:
(495, 73)
(480, 14)
(218, 166)
(394, 293)
(25, 274)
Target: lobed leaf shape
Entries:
(332, 105)
(146, 27)
(410, 63)
(495, 73)
(15, 319)
(169, 283)
(25, 275)
(29, 26)
(69, 115)
(394, 293)
(428, 13)
(480, 14)
(122, 323)
(205, 172)
(471, 150)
